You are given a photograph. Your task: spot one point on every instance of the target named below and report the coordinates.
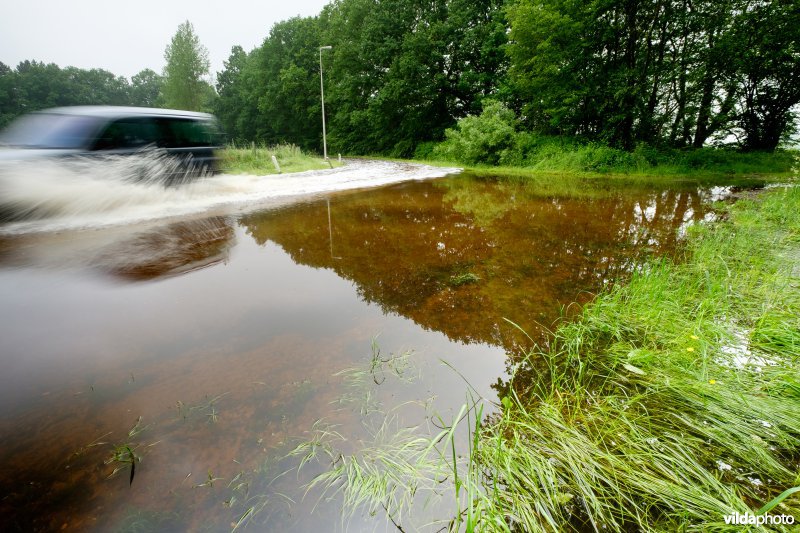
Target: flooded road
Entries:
(202, 345)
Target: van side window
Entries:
(184, 133)
(127, 133)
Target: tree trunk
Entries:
(624, 130)
(704, 113)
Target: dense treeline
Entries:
(626, 74)
(671, 73)
(666, 71)
(33, 85)
(400, 73)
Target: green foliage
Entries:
(670, 74)
(236, 106)
(397, 470)
(33, 85)
(767, 68)
(146, 89)
(674, 72)
(403, 71)
(669, 404)
(7, 101)
(614, 73)
(125, 455)
(399, 73)
(272, 94)
(463, 279)
(425, 150)
(287, 70)
(480, 139)
(187, 64)
(491, 139)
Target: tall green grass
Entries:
(257, 159)
(570, 158)
(670, 403)
(673, 401)
(550, 154)
(411, 475)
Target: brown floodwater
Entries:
(208, 344)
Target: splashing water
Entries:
(50, 195)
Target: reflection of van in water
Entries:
(110, 131)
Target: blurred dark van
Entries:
(190, 137)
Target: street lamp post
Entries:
(322, 98)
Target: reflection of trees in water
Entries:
(409, 248)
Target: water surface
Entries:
(211, 340)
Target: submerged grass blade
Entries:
(777, 500)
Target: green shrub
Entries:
(528, 147)
(480, 139)
(731, 161)
(404, 148)
(599, 158)
(425, 150)
(492, 139)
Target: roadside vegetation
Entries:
(669, 404)
(258, 160)
(495, 142)
(672, 401)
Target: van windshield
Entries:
(51, 130)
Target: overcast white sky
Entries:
(126, 37)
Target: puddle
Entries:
(226, 332)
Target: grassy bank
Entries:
(671, 403)
(258, 160)
(707, 164)
(555, 156)
(495, 138)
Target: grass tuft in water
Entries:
(125, 455)
(207, 408)
(463, 279)
(399, 470)
(360, 381)
(209, 482)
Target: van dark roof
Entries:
(124, 111)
